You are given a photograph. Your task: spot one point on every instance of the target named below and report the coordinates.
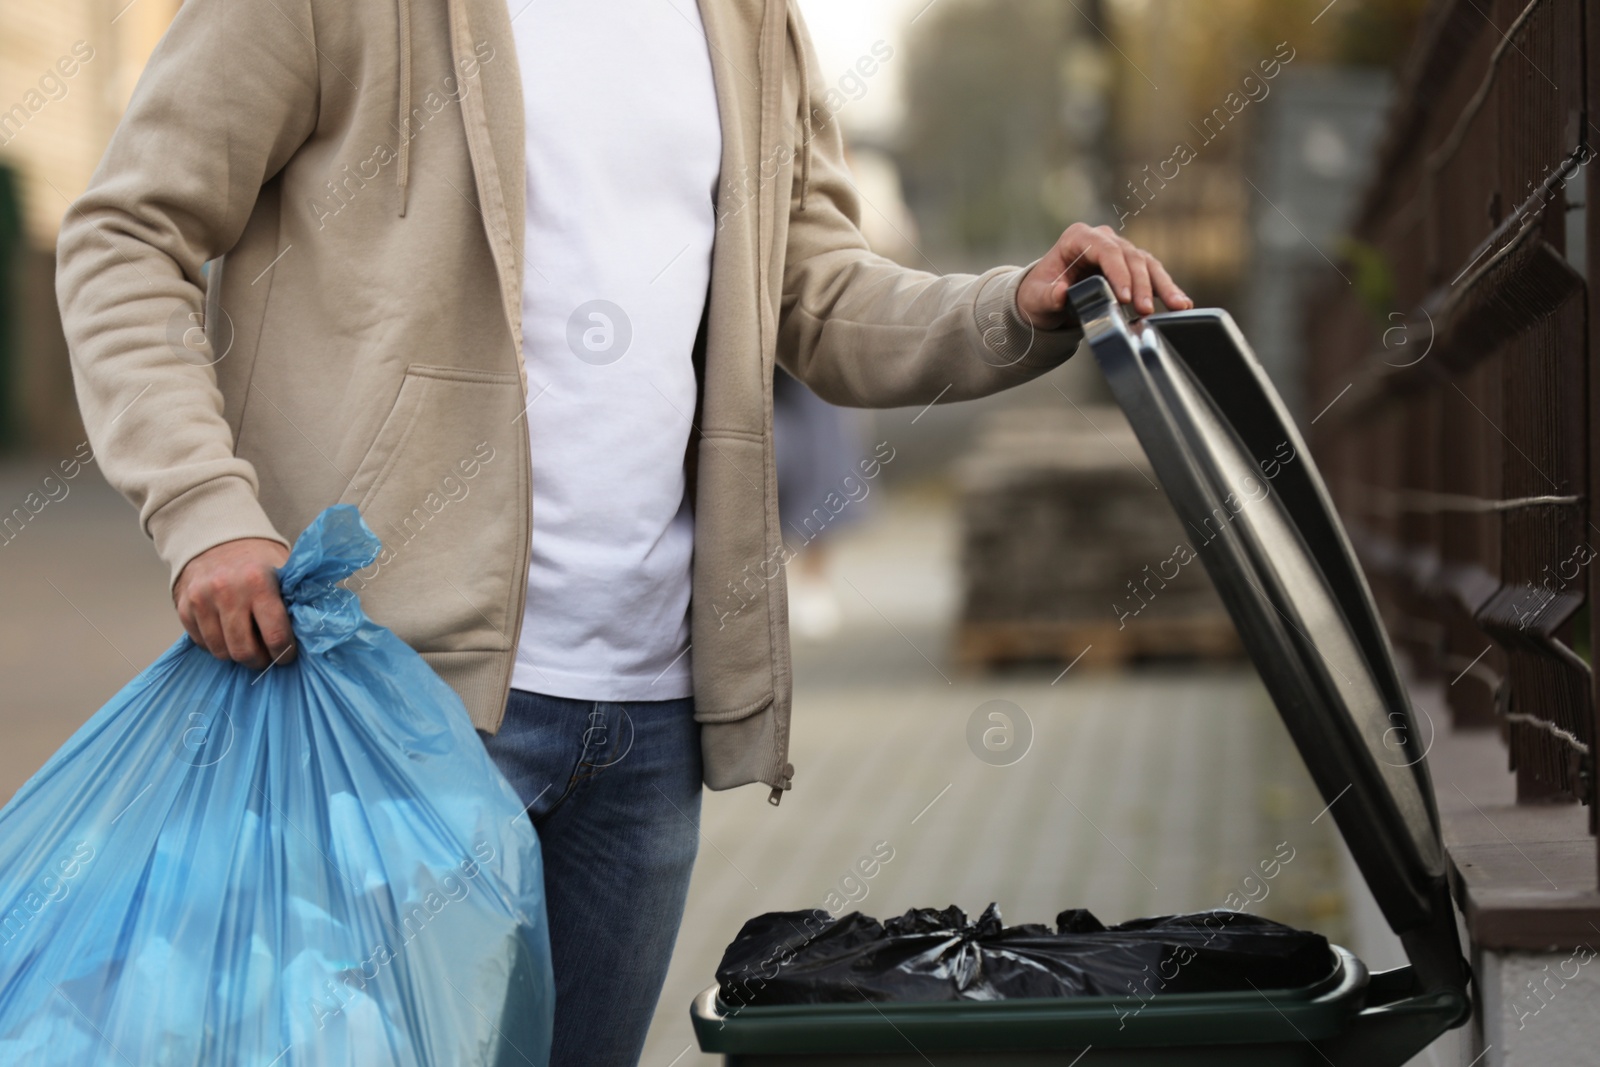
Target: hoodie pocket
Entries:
(444, 485)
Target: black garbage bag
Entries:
(809, 957)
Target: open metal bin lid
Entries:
(1243, 484)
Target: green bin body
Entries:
(1349, 1019)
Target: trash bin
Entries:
(1241, 480)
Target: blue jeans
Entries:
(614, 790)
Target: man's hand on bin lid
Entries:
(228, 600)
(1135, 275)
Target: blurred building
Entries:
(67, 69)
(1004, 140)
(1023, 116)
(1197, 91)
(1312, 155)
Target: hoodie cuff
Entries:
(212, 513)
(1008, 339)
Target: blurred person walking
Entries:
(513, 280)
(817, 449)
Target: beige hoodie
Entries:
(352, 170)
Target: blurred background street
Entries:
(991, 561)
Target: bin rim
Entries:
(1319, 1011)
(1237, 472)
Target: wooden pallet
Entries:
(1097, 643)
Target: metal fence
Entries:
(1449, 378)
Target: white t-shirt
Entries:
(624, 154)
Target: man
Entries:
(513, 281)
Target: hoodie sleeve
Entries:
(863, 331)
(227, 97)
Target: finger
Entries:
(272, 623)
(1071, 252)
(239, 632)
(1138, 266)
(1166, 288)
(186, 618)
(1107, 254)
(209, 622)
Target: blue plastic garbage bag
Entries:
(313, 866)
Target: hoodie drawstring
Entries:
(775, 51)
(797, 39)
(403, 168)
